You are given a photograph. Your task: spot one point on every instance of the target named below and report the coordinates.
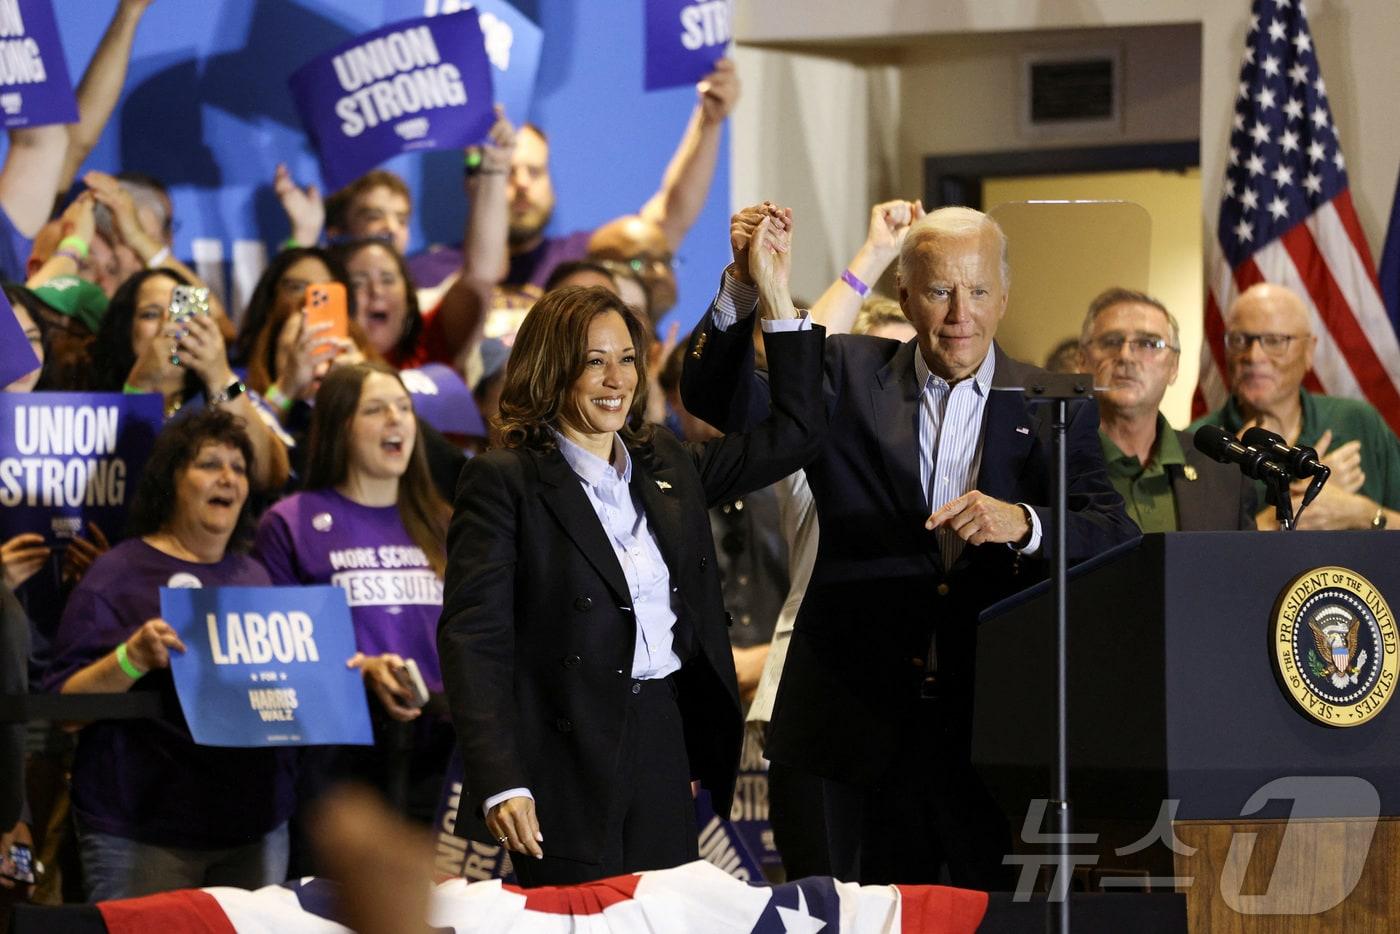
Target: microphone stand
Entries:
(1282, 499)
(1060, 389)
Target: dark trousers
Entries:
(929, 819)
(797, 814)
(651, 819)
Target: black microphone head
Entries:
(1258, 437)
(1213, 441)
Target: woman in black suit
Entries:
(583, 635)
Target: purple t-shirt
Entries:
(529, 268)
(395, 597)
(146, 780)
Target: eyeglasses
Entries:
(1274, 344)
(642, 261)
(1140, 346)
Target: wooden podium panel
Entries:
(1315, 872)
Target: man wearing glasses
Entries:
(1131, 343)
(1269, 347)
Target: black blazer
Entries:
(878, 588)
(1218, 498)
(537, 633)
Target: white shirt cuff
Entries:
(736, 300)
(494, 800)
(1033, 545)
(781, 325)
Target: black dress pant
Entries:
(651, 817)
(928, 820)
(797, 814)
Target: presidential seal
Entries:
(1334, 645)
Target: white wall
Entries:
(815, 133)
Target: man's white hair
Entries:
(953, 222)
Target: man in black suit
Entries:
(1132, 345)
(933, 487)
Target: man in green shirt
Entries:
(1131, 343)
(1269, 346)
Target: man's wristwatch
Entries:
(1378, 521)
(230, 392)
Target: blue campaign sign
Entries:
(684, 39)
(17, 357)
(34, 84)
(513, 44)
(265, 666)
(441, 399)
(411, 86)
(69, 458)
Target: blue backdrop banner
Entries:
(34, 85)
(684, 40)
(412, 86)
(265, 666)
(69, 458)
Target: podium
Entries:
(1173, 697)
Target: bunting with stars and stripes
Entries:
(1286, 217)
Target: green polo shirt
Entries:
(1146, 491)
(1349, 419)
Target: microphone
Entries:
(1218, 444)
(1301, 461)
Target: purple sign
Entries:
(17, 357)
(513, 44)
(34, 84)
(684, 40)
(442, 400)
(411, 86)
(69, 458)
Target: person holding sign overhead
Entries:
(370, 521)
(583, 635)
(154, 811)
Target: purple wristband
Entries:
(850, 279)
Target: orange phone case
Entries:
(326, 302)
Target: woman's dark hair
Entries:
(424, 513)
(112, 356)
(264, 299)
(67, 343)
(176, 447)
(548, 356)
(413, 316)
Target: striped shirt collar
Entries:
(982, 378)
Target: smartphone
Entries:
(187, 301)
(409, 677)
(20, 864)
(326, 303)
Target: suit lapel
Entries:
(1008, 431)
(894, 398)
(652, 484)
(1194, 495)
(563, 494)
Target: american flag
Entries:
(1286, 217)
